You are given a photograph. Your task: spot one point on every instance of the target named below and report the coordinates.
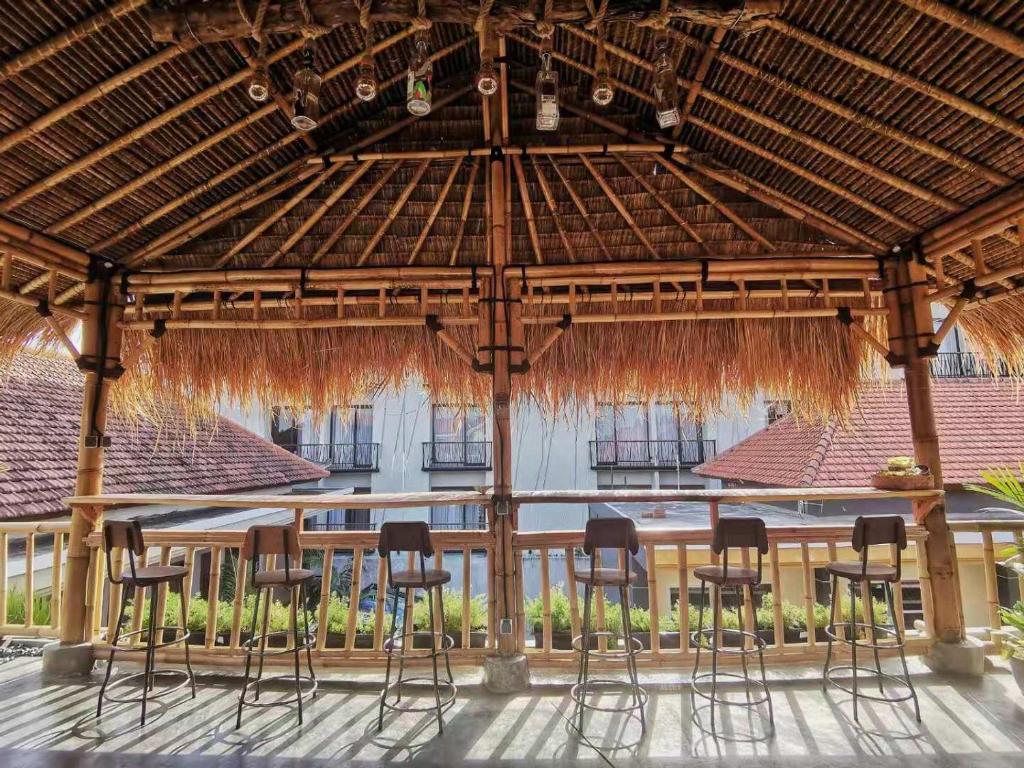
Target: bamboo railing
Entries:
(799, 548)
(28, 591)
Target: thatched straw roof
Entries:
(838, 130)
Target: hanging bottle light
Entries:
(419, 81)
(306, 93)
(603, 91)
(259, 83)
(547, 95)
(366, 82)
(666, 88)
(487, 78)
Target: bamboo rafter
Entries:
(619, 206)
(549, 199)
(665, 204)
(582, 208)
(524, 197)
(393, 212)
(441, 199)
(969, 23)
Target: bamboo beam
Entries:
(798, 170)
(467, 200)
(733, 179)
(549, 198)
(88, 96)
(524, 196)
(970, 24)
(858, 330)
(396, 208)
(850, 264)
(220, 20)
(68, 37)
(549, 339)
(232, 278)
(437, 327)
(893, 133)
(777, 126)
(665, 204)
(40, 244)
(619, 206)
(319, 213)
(519, 151)
(704, 314)
(988, 218)
(710, 52)
(441, 198)
(891, 74)
(948, 323)
(328, 243)
(26, 301)
(582, 208)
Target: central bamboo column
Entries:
(101, 344)
(910, 329)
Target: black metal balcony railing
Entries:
(961, 365)
(442, 456)
(649, 454)
(340, 457)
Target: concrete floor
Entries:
(965, 722)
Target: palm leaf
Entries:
(1004, 484)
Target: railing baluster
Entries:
(684, 599)
(570, 588)
(467, 596)
(924, 576)
(138, 609)
(1018, 541)
(326, 572)
(410, 565)
(212, 593)
(897, 594)
(520, 601)
(492, 596)
(545, 596)
(116, 591)
(30, 572)
(833, 555)
(808, 574)
(56, 578)
(652, 597)
(238, 599)
(186, 593)
(749, 620)
(355, 588)
(436, 616)
(161, 592)
(92, 586)
(602, 642)
(776, 582)
(3, 577)
(379, 604)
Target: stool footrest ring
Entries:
(759, 643)
(186, 678)
(312, 684)
(577, 646)
(623, 688)
(446, 689)
(699, 680)
(250, 646)
(186, 634)
(831, 630)
(873, 674)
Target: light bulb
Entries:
(603, 91)
(366, 83)
(259, 84)
(487, 78)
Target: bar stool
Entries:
(617, 533)
(413, 538)
(128, 535)
(730, 533)
(867, 532)
(278, 541)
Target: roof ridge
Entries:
(817, 457)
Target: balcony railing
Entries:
(447, 456)
(340, 457)
(649, 454)
(961, 365)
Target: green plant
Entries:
(16, 608)
(561, 613)
(451, 600)
(793, 616)
(337, 615)
(1004, 484)
(1014, 617)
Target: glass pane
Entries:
(476, 425)
(631, 422)
(447, 424)
(363, 422)
(666, 421)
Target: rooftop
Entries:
(980, 425)
(40, 412)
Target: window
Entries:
(777, 409)
(459, 436)
(352, 436)
(457, 516)
(622, 433)
(284, 428)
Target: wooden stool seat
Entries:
(735, 577)
(432, 577)
(605, 577)
(279, 577)
(858, 572)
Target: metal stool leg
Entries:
(764, 681)
(113, 647)
(899, 644)
(853, 645)
(184, 631)
(147, 678)
(741, 603)
(700, 625)
(389, 651)
(297, 648)
(716, 618)
(433, 655)
(869, 606)
(406, 624)
(631, 668)
(309, 649)
(265, 628)
(248, 658)
(585, 642)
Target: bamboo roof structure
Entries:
(734, 253)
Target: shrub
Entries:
(451, 600)
(561, 614)
(16, 608)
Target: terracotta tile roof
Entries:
(40, 407)
(980, 423)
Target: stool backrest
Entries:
(408, 536)
(126, 534)
(740, 533)
(263, 540)
(879, 530)
(610, 533)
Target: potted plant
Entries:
(451, 600)
(902, 474)
(668, 627)
(561, 619)
(1013, 647)
(794, 620)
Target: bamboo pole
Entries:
(441, 199)
(776, 582)
(549, 199)
(28, 580)
(379, 603)
(56, 580)
(684, 599)
(353, 598)
(616, 201)
(393, 212)
(545, 596)
(3, 576)
(467, 596)
(893, 75)
(582, 208)
(213, 593)
(971, 24)
(467, 200)
(570, 587)
(808, 578)
(524, 198)
(650, 553)
(665, 204)
(238, 602)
